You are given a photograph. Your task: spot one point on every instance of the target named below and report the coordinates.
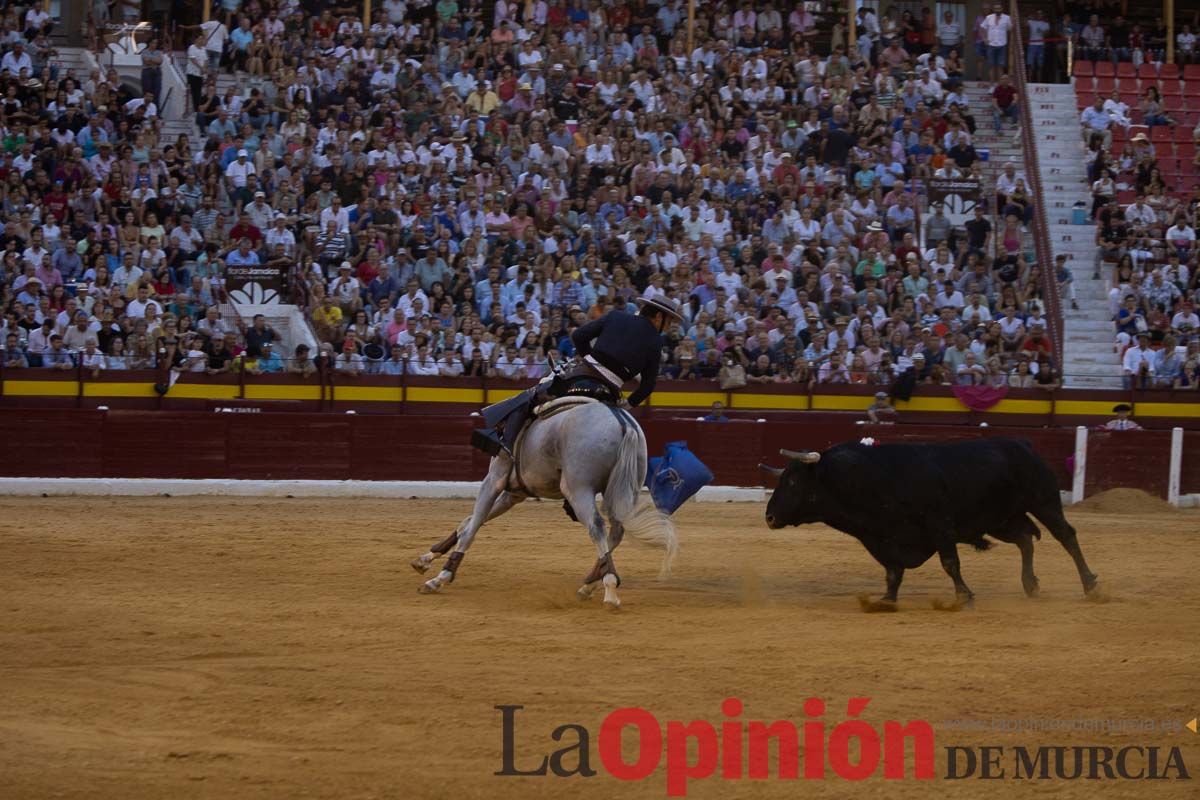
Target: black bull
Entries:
(905, 502)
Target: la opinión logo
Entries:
(734, 748)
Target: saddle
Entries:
(578, 380)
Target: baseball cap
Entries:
(243, 154)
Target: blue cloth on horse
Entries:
(675, 477)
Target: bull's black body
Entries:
(905, 502)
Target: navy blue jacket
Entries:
(628, 344)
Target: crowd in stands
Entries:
(450, 194)
(1141, 125)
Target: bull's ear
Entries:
(804, 457)
(774, 472)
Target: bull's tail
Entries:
(624, 503)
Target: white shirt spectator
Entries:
(136, 309)
(1140, 214)
(239, 172)
(996, 28)
(1136, 356)
(1186, 321)
(15, 63)
(341, 216)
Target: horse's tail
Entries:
(625, 504)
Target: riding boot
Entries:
(513, 424)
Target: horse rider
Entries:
(610, 351)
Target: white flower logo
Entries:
(253, 294)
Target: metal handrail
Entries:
(1041, 237)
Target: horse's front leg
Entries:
(422, 563)
(491, 502)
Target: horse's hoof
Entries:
(612, 605)
(420, 566)
(882, 605)
(584, 593)
(429, 587)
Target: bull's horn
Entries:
(809, 457)
(774, 472)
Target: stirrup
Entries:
(489, 441)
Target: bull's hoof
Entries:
(880, 606)
(960, 603)
(1090, 584)
(420, 566)
(1096, 594)
(1032, 589)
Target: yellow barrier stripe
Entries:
(1167, 410)
(797, 401)
(204, 391)
(494, 395)
(121, 389)
(429, 394)
(1021, 407)
(377, 394)
(1095, 407)
(282, 392)
(779, 402)
(689, 399)
(41, 388)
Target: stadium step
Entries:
(1088, 359)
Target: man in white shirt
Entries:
(238, 173)
(335, 213)
(1182, 237)
(259, 212)
(995, 30)
(1139, 214)
(1006, 182)
(197, 66)
(1186, 322)
(279, 233)
(137, 308)
(16, 60)
(215, 35)
(1096, 120)
(1138, 363)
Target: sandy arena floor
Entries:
(186, 648)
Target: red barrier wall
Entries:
(279, 446)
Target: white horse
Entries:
(575, 449)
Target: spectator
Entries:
(717, 413)
(1005, 103)
(995, 28)
(1138, 363)
(1097, 121)
(1123, 421)
(881, 411)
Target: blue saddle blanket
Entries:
(676, 476)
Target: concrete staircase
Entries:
(74, 59)
(1089, 360)
(225, 80)
(1001, 148)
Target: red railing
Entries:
(1040, 228)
